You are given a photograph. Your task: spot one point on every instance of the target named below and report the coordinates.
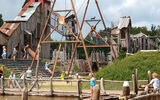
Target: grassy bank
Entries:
(123, 69)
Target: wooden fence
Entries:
(147, 97)
(58, 86)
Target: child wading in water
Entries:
(14, 54)
(155, 82)
(93, 83)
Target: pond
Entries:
(36, 98)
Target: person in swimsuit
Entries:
(92, 83)
(14, 54)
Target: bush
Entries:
(6, 72)
(123, 69)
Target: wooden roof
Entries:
(8, 28)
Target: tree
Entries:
(1, 20)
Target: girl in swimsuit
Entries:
(92, 83)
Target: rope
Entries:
(81, 6)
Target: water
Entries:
(36, 98)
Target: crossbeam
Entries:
(94, 46)
(60, 41)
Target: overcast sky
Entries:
(142, 12)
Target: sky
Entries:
(142, 12)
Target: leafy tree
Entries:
(1, 20)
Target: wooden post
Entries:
(2, 85)
(126, 89)
(24, 81)
(136, 81)
(37, 68)
(102, 86)
(51, 86)
(25, 94)
(79, 91)
(96, 93)
(149, 76)
(56, 60)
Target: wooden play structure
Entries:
(79, 40)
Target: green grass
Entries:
(6, 71)
(123, 69)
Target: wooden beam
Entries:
(80, 33)
(95, 46)
(63, 10)
(55, 63)
(50, 33)
(60, 41)
(105, 27)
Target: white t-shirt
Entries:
(156, 83)
(12, 76)
(29, 73)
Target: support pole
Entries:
(75, 48)
(80, 33)
(105, 28)
(55, 63)
(37, 68)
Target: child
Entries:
(155, 82)
(47, 67)
(14, 53)
(4, 54)
(93, 83)
(29, 73)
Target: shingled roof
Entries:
(26, 12)
(124, 22)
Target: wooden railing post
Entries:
(136, 81)
(102, 86)
(149, 76)
(51, 86)
(24, 82)
(2, 85)
(79, 90)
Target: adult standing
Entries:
(4, 54)
(26, 53)
(14, 54)
(12, 78)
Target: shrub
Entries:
(124, 68)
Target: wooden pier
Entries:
(48, 87)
